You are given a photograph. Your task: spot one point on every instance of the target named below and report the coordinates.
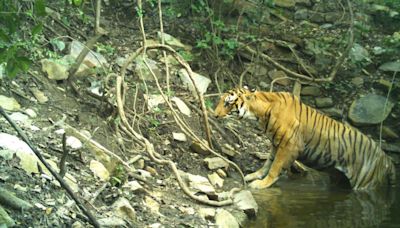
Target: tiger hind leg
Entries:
(261, 173)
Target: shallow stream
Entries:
(311, 202)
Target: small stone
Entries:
(221, 173)
(225, 219)
(153, 205)
(74, 143)
(333, 112)
(140, 164)
(30, 113)
(181, 137)
(183, 108)
(323, 102)
(216, 163)
(389, 133)
(54, 70)
(207, 213)
(216, 180)
(383, 84)
(357, 81)
(311, 91)
(153, 100)
(99, 170)
(285, 3)
(228, 150)
(123, 209)
(276, 74)
(9, 103)
(170, 40)
(151, 170)
(198, 183)
(133, 186)
(145, 174)
(198, 148)
(264, 85)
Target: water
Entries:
(309, 201)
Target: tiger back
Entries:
(300, 132)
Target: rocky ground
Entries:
(45, 105)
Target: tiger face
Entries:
(235, 103)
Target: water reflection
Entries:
(311, 202)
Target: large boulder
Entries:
(370, 109)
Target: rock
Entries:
(121, 61)
(275, 74)
(323, 102)
(133, 186)
(383, 84)
(2, 70)
(317, 17)
(73, 143)
(9, 103)
(285, 3)
(123, 209)
(357, 81)
(240, 217)
(143, 71)
(207, 213)
(21, 118)
(391, 66)
(30, 113)
(221, 173)
(54, 70)
(198, 148)
(183, 108)
(244, 200)
(311, 91)
(145, 174)
(264, 85)
(224, 219)
(181, 137)
(13, 145)
(39, 95)
(257, 70)
(198, 183)
(153, 205)
(369, 110)
(112, 222)
(170, 59)
(92, 59)
(333, 112)
(200, 81)
(83, 69)
(99, 170)
(228, 150)
(389, 133)
(216, 180)
(153, 100)
(151, 170)
(216, 163)
(172, 41)
(301, 14)
(359, 54)
(332, 17)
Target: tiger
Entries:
(300, 132)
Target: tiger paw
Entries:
(258, 184)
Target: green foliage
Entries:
(118, 176)
(14, 50)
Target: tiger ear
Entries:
(250, 97)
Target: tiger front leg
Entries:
(283, 159)
(261, 173)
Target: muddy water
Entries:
(312, 202)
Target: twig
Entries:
(87, 212)
(98, 12)
(63, 169)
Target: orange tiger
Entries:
(299, 132)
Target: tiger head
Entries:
(235, 102)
